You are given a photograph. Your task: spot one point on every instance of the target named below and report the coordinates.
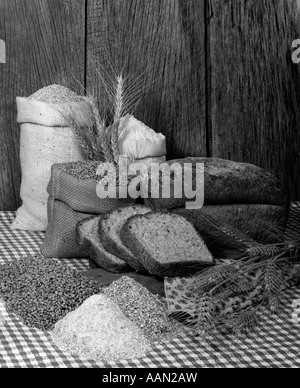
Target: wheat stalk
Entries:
(102, 142)
(204, 311)
(119, 99)
(246, 322)
(273, 284)
(114, 141)
(83, 140)
(226, 233)
(213, 277)
(257, 275)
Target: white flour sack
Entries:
(139, 143)
(46, 139)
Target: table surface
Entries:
(275, 344)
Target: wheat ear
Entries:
(119, 99)
(273, 284)
(228, 232)
(82, 137)
(246, 322)
(204, 315)
(103, 144)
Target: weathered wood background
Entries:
(223, 82)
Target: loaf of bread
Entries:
(166, 244)
(260, 222)
(226, 182)
(109, 231)
(89, 240)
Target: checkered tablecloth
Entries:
(275, 344)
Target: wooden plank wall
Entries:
(168, 39)
(45, 44)
(255, 95)
(222, 81)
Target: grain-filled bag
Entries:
(72, 199)
(46, 138)
(75, 184)
(60, 239)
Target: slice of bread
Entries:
(167, 244)
(88, 238)
(109, 230)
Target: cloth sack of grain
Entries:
(239, 194)
(72, 199)
(60, 238)
(140, 143)
(46, 138)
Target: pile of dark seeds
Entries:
(81, 170)
(147, 311)
(42, 291)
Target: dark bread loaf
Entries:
(227, 182)
(167, 244)
(109, 230)
(260, 222)
(89, 240)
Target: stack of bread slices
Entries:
(150, 242)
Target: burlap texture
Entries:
(60, 239)
(71, 201)
(80, 194)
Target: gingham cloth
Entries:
(275, 344)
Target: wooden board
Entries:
(168, 38)
(255, 99)
(45, 44)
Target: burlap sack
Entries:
(46, 139)
(60, 239)
(80, 194)
(73, 199)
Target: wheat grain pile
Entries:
(55, 94)
(81, 170)
(42, 291)
(100, 331)
(147, 311)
